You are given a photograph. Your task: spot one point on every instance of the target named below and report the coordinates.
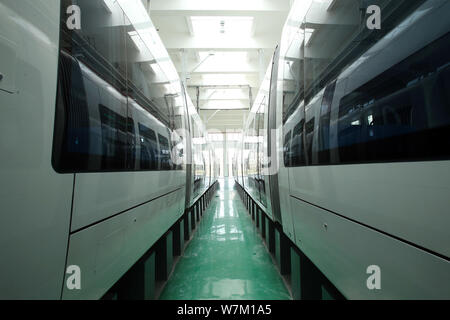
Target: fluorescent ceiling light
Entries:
(214, 25)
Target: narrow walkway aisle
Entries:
(226, 258)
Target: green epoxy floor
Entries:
(226, 259)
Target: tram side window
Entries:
(199, 172)
(298, 145)
(71, 145)
(403, 114)
(164, 149)
(93, 128)
(114, 139)
(131, 147)
(287, 149)
(324, 154)
(149, 148)
(309, 134)
(177, 150)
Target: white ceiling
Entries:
(214, 63)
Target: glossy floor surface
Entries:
(226, 259)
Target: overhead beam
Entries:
(225, 72)
(181, 40)
(221, 87)
(161, 6)
(228, 13)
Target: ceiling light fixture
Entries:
(229, 25)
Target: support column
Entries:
(177, 238)
(192, 217)
(262, 224)
(295, 274)
(258, 217)
(164, 257)
(139, 282)
(187, 226)
(197, 215)
(282, 251)
(253, 210)
(306, 279)
(270, 235)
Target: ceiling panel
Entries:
(217, 45)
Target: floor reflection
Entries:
(226, 259)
